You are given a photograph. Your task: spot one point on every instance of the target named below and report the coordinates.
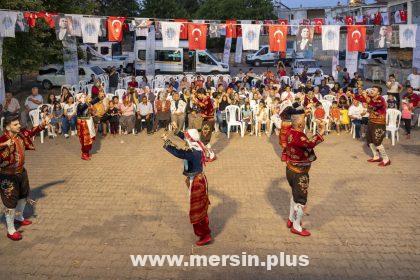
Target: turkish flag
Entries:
(231, 28)
(197, 35)
(349, 20)
(183, 35)
(115, 28)
(282, 21)
(277, 35)
(356, 38)
(318, 22)
(403, 15)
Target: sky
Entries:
(315, 3)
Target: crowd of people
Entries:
(260, 99)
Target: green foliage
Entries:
(236, 9)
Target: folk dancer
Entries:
(85, 125)
(286, 123)
(194, 160)
(14, 182)
(299, 156)
(377, 126)
(207, 113)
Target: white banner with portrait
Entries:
(226, 50)
(150, 53)
(351, 62)
(71, 62)
(238, 50)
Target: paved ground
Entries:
(131, 199)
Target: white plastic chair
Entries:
(393, 120)
(35, 120)
(233, 118)
(120, 93)
(285, 79)
(329, 97)
(1, 123)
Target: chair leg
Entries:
(42, 137)
(393, 137)
(228, 131)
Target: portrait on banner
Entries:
(382, 37)
(304, 38)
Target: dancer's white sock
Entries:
(20, 208)
(383, 153)
(374, 151)
(10, 220)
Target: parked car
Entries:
(311, 64)
(49, 69)
(58, 78)
(364, 57)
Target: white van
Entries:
(264, 56)
(375, 54)
(179, 60)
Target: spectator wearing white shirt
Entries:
(296, 83)
(414, 79)
(178, 111)
(317, 78)
(69, 117)
(10, 105)
(355, 113)
(144, 114)
(287, 94)
(31, 103)
(394, 88)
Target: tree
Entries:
(163, 9)
(236, 9)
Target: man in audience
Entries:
(414, 80)
(355, 114)
(144, 114)
(113, 80)
(10, 105)
(178, 111)
(31, 103)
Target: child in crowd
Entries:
(247, 116)
(407, 110)
(262, 117)
(344, 117)
(46, 114)
(275, 119)
(335, 116)
(56, 117)
(113, 114)
(392, 102)
(319, 114)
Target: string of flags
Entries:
(196, 32)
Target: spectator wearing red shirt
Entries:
(133, 83)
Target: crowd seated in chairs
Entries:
(247, 103)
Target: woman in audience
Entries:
(162, 111)
(221, 105)
(324, 89)
(51, 99)
(184, 84)
(127, 116)
(209, 83)
(113, 113)
(65, 94)
(247, 117)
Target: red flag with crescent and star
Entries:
(356, 38)
(115, 28)
(282, 21)
(318, 22)
(183, 35)
(277, 37)
(230, 28)
(197, 35)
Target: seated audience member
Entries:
(10, 105)
(319, 114)
(133, 83)
(391, 102)
(127, 116)
(335, 116)
(162, 111)
(69, 117)
(355, 114)
(113, 114)
(144, 114)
